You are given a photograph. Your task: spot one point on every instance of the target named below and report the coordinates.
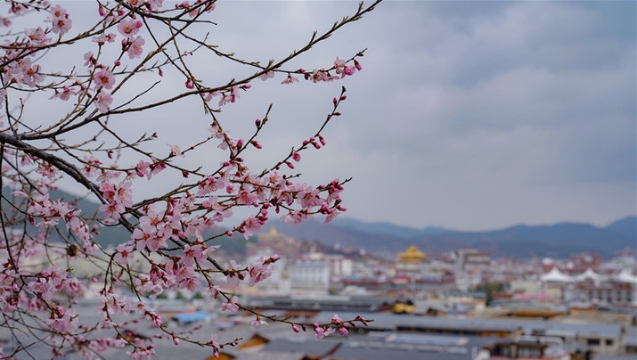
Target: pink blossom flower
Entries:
(156, 168)
(135, 49)
(108, 190)
(215, 345)
(339, 64)
(103, 101)
(155, 243)
(234, 277)
(209, 96)
(89, 59)
(259, 271)
(266, 75)
(257, 323)
(155, 4)
(142, 352)
(290, 79)
(124, 193)
(295, 217)
(58, 11)
(62, 320)
(231, 305)
(37, 36)
(246, 198)
(322, 332)
(309, 197)
(65, 94)
(250, 225)
(319, 75)
(224, 99)
(331, 217)
(155, 319)
(175, 150)
(101, 39)
(80, 229)
(142, 168)
(342, 330)
(232, 97)
(347, 71)
(112, 212)
(124, 254)
(60, 21)
(129, 28)
(104, 78)
(192, 253)
(25, 72)
(191, 284)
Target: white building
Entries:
(309, 277)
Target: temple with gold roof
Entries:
(411, 259)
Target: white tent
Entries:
(626, 276)
(589, 274)
(555, 275)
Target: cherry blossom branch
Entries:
(174, 233)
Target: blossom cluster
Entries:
(173, 234)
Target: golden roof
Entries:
(412, 255)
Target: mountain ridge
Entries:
(518, 241)
(386, 239)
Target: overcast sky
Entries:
(467, 115)
(474, 115)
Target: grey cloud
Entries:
(466, 114)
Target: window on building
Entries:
(609, 342)
(592, 342)
(529, 353)
(504, 350)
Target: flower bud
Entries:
(256, 144)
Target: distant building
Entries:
(591, 287)
(278, 244)
(309, 276)
(470, 266)
(411, 260)
(339, 265)
(613, 293)
(472, 260)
